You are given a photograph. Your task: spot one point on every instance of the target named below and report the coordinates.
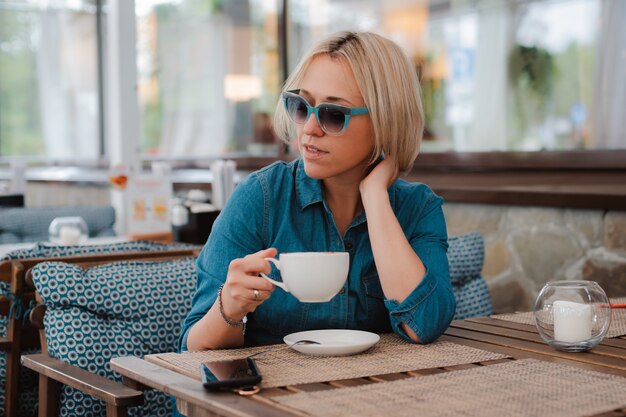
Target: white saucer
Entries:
(337, 342)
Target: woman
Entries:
(355, 104)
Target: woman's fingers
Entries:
(258, 296)
(244, 290)
(254, 263)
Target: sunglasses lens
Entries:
(296, 109)
(332, 120)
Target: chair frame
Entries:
(53, 372)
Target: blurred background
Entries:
(497, 75)
(524, 105)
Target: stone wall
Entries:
(525, 247)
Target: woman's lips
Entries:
(312, 152)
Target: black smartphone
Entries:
(230, 374)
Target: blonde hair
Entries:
(388, 83)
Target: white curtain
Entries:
(192, 66)
(67, 84)
(488, 130)
(609, 123)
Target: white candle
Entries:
(69, 235)
(572, 321)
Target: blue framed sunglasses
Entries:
(332, 118)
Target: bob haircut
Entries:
(388, 83)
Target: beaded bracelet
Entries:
(234, 323)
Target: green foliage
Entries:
(532, 73)
(433, 94)
(432, 98)
(533, 68)
(20, 128)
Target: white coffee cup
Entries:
(312, 277)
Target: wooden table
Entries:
(516, 340)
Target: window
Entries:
(498, 75)
(208, 77)
(48, 79)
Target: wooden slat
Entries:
(615, 341)
(540, 348)
(315, 386)
(274, 392)
(352, 382)
(30, 340)
(102, 388)
(5, 343)
(601, 349)
(426, 372)
(503, 323)
(525, 354)
(389, 377)
(116, 411)
(495, 361)
(461, 367)
(532, 336)
(610, 414)
(48, 392)
(37, 315)
(134, 384)
(5, 271)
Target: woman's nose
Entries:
(312, 127)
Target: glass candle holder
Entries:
(68, 231)
(572, 316)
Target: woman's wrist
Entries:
(228, 306)
(372, 195)
(231, 320)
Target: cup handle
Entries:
(278, 284)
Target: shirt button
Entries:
(348, 245)
(342, 290)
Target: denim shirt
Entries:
(280, 206)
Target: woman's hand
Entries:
(244, 290)
(380, 178)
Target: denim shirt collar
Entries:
(309, 190)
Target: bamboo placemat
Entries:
(281, 365)
(523, 388)
(616, 329)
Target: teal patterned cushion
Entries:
(118, 309)
(466, 254)
(472, 299)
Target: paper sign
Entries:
(148, 204)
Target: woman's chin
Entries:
(315, 173)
